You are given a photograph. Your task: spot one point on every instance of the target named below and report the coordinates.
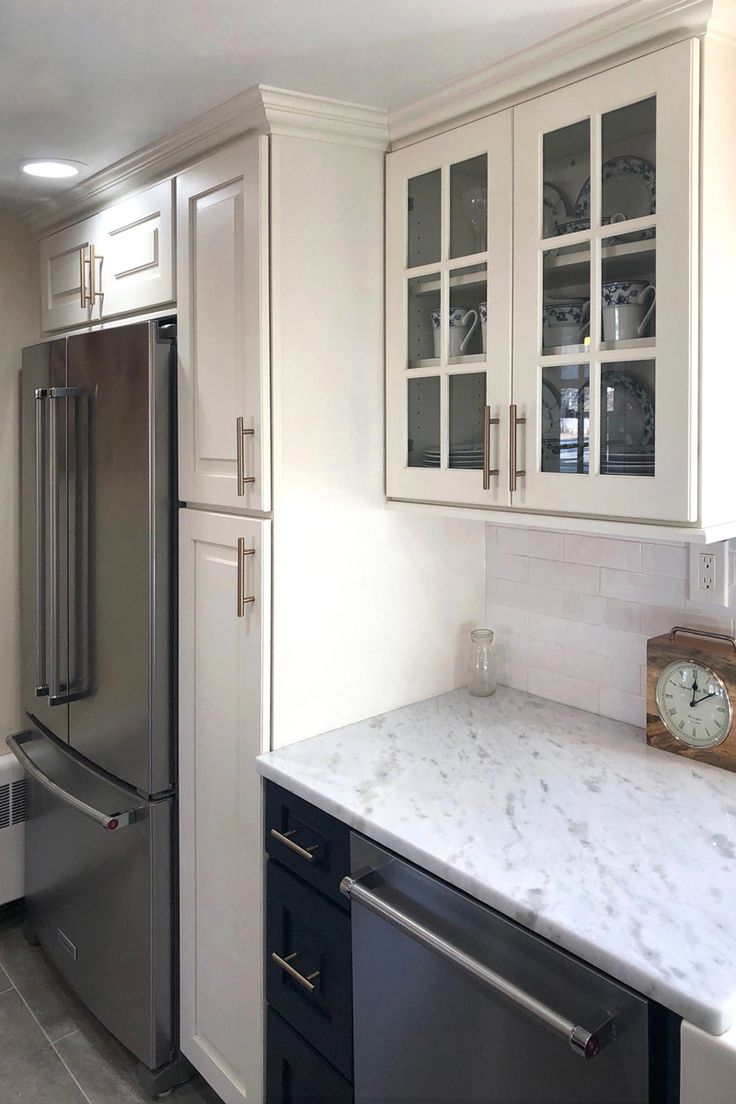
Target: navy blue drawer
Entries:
(309, 966)
(312, 844)
(296, 1073)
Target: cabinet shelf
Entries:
(624, 260)
(467, 279)
(434, 362)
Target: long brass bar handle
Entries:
(243, 598)
(93, 292)
(82, 277)
(488, 421)
(514, 472)
(284, 963)
(303, 852)
(242, 433)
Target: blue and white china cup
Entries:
(564, 323)
(483, 308)
(461, 329)
(628, 306)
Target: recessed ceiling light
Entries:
(53, 168)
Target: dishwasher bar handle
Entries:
(109, 821)
(587, 1042)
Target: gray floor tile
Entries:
(30, 1070)
(54, 1005)
(106, 1071)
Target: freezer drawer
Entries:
(454, 1002)
(100, 898)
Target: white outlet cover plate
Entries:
(717, 598)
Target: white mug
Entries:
(459, 333)
(627, 321)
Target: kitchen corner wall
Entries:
(572, 613)
(19, 326)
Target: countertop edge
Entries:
(712, 1021)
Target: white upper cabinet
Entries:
(604, 328)
(448, 315)
(137, 248)
(117, 262)
(222, 250)
(591, 384)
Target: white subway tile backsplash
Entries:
(601, 551)
(650, 590)
(573, 613)
(560, 688)
(565, 576)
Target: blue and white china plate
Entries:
(555, 209)
(629, 188)
(640, 424)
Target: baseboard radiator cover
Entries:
(13, 812)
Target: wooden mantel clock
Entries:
(691, 695)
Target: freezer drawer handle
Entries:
(587, 1042)
(109, 821)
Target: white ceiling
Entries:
(93, 80)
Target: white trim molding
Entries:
(261, 108)
(632, 26)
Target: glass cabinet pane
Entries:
(566, 299)
(469, 206)
(565, 421)
(424, 201)
(629, 137)
(627, 418)
(423, 319)
(468, 312)
(467, 404)
(628, 292)
(566, 180)
(423, 445)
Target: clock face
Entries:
(694, 704)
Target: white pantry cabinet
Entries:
(222, 261)
(224, 702)
(117, 262)
(601, 392)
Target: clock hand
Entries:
(705, 698)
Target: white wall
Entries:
(18, 327)
(572, 614)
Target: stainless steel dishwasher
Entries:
(453, 1002)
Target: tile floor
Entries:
(52, 1051)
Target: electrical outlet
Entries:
(709, 575)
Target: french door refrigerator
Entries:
(98, 668)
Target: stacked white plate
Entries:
(461, 456)
(631, 460)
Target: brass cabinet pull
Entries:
(87, 297)
(93, 292)
(243, 598)
(284, 963)
(488, 421)
(82, 278)
(303, 852)
(514, 473)
(242, 433)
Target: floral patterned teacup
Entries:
(628, 306)
(463, 323)
(483, 308)
(564, 323)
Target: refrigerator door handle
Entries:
(111, 822)
(42, 687)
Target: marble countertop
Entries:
(562, 820)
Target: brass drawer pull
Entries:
(488, 421)
(242, 433)
(243, 598)
(514, 473)
(284, 963)
(82, 277)
(303, 852)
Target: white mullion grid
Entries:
(444, 314)
(617, 356)
(596, 281)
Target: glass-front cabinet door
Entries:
(448, 315)
(603, 420)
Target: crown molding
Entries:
(625, 28)
(261, 108)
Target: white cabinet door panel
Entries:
(136, 245)
(223, 715)
(62, 263)
(222, 264)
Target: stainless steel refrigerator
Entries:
(98, 668)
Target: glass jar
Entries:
(482, 665)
